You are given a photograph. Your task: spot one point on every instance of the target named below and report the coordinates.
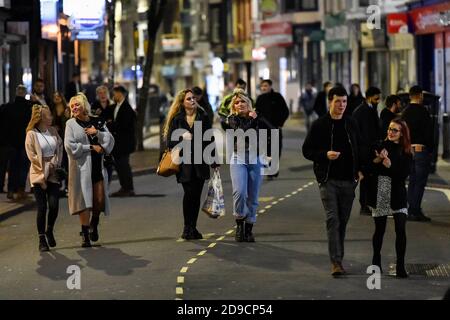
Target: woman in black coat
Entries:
(183, 113)
(387, 196)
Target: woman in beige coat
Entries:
(86, 141)
(44, 149)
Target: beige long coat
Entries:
(40, 171)
(78, 150)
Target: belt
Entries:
(418, 148)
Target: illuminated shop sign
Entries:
(87, 19)
(49, 19)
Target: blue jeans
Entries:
(418, 180)
(246, 180)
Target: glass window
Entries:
(299, 5)
(364, 3)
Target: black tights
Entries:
(400, 239)
(43, 197)
(191, 201)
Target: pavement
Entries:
(140, 254)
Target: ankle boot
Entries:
(376, 261)
(196, 234)
(240, 232)
(400, 269)
(43, 246)
(50, 237)
(85, 242)
(187, 233)
(248, 232)
(93, 231)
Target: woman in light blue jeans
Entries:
(245, 166)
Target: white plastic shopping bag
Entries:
(214, 205)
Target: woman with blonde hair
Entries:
(44, 149)
(86, 141)
(183, 113)
(245, 165)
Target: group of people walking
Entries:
(379, 153)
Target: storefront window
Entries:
(299, 5)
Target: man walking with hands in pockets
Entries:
(333, 144)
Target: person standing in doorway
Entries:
(334, 145)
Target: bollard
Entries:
(446, 136)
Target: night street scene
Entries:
(227, 156)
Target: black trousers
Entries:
(191, 201)
(48, 198)
(400, 236)
(5, 155)
(364, 190)
(123, 168)
(18, 170)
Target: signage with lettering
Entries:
(87, 19)
(397, 23)
(276, 34)
(336, 33)
(431, 19)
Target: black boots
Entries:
(43, 246)
(85, 242)
(93, 232)
(248, 235)
(400, 269)
(50, 238)
(240, 232)
(191, 233)
(376, 261)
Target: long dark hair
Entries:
(405, 139)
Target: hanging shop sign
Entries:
(431, 19)
(49, 20)
(375, 38)
(275, 34)
(397, 23)
(172, 42)
(87, 19)
(336, 33)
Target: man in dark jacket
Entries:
(420, 126)
(272, 106)
(393, 106)
(17, 115)
(123, 129)
(320, 104)
(366, 115)
(333, 144)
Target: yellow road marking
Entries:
(281, 199)
(184, 270)
(179, 290)
(265, 199)
(288, 196)
(180, 240)
(212, 245)
(180, 280)
(201, 253)
(192, 261)
(229, 232)
(221, 238)
(268, 206)
(275, 202)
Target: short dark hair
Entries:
(337, 91)
(268, 81)
(390, 100)
(326, 84)
(372, 91)
(120, 89)
(39, 80)
(241, 82)
(415, 91)
(197, 91)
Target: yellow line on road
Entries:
(179, 290)
(288, 195)
(212, 245)
(180, 240)
(221, 238)
(184, 270)
(180, 280)
(201, 253)
(268, 206)
(281, 199)
(229, 232)
(192, 261)
(262, 211)
(275, 202)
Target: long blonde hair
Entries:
(239, 93)
(36, 116)
(80, 97)
(175, 109)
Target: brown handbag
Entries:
(166, 167)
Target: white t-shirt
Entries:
(47, 143)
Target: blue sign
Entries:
(87, 19)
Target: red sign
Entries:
(439, 41)
(276, 34)
(431, 19)
(397, 23)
